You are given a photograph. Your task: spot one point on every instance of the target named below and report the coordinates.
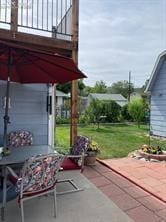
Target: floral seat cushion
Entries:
(39, 173)
(80, 146)
(20, 138)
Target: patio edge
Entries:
(143, 188)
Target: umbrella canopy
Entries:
(32, 66)
(25, 65)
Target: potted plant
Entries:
(91, 153)
(152, 152)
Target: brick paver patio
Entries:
(151, 176)
(140, 205)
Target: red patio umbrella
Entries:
(25, 65)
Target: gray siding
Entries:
(158, 103)
(28, 110)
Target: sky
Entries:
(118, 36)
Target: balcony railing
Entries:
(42, 17)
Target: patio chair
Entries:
(20, 138)
(75, 160)
(38, 177)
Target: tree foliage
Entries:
(125, 113)
(66, 87)
(136, 109)
(95, 111)
(99, 87)
(81, 87)
(121, 87)
(111, 111)
(102, 110)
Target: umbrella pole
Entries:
(6, 116)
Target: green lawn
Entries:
(114, 140)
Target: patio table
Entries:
(19, 155)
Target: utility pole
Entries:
(129, 86)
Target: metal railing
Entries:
(43, 17)
(5, 12)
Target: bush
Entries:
(61, 120)
(136, 109)
(101, 111)
(112, 111)
(84, 119)
(94, 111)
(125, 115)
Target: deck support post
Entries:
(74, 90)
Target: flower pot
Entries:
(160, 157)
(90, 159)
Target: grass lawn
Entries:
(116, 140)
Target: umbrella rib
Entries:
(25, 53)
(34, 52)
(65, 68)
(18, 60)
(45, 72)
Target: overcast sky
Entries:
(118, 36)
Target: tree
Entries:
(111, 111)
(125, 113)
(100, 87)
(137, 110)
(102, 110)
(87, 90)
(95, 111)
(66, 87)
(121, 87)
(81, 87)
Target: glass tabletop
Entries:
(20, 154)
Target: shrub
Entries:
(61, 120)
(137, 110)
(112, 111)
(84, 119)
(125, 113)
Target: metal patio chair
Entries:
(38, 177)
(75, 160)
(20, 138)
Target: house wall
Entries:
(158, 103)
(59, 101)
(28, 110)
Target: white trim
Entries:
(51, 118)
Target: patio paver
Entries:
(138, 204)
(151, 176)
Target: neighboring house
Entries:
(118, 98)
(61, 104)
(82, 105)
(157, 89)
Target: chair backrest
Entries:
(39, 174)
(20, 138)
(81, 145)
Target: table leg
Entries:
(4, 174)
